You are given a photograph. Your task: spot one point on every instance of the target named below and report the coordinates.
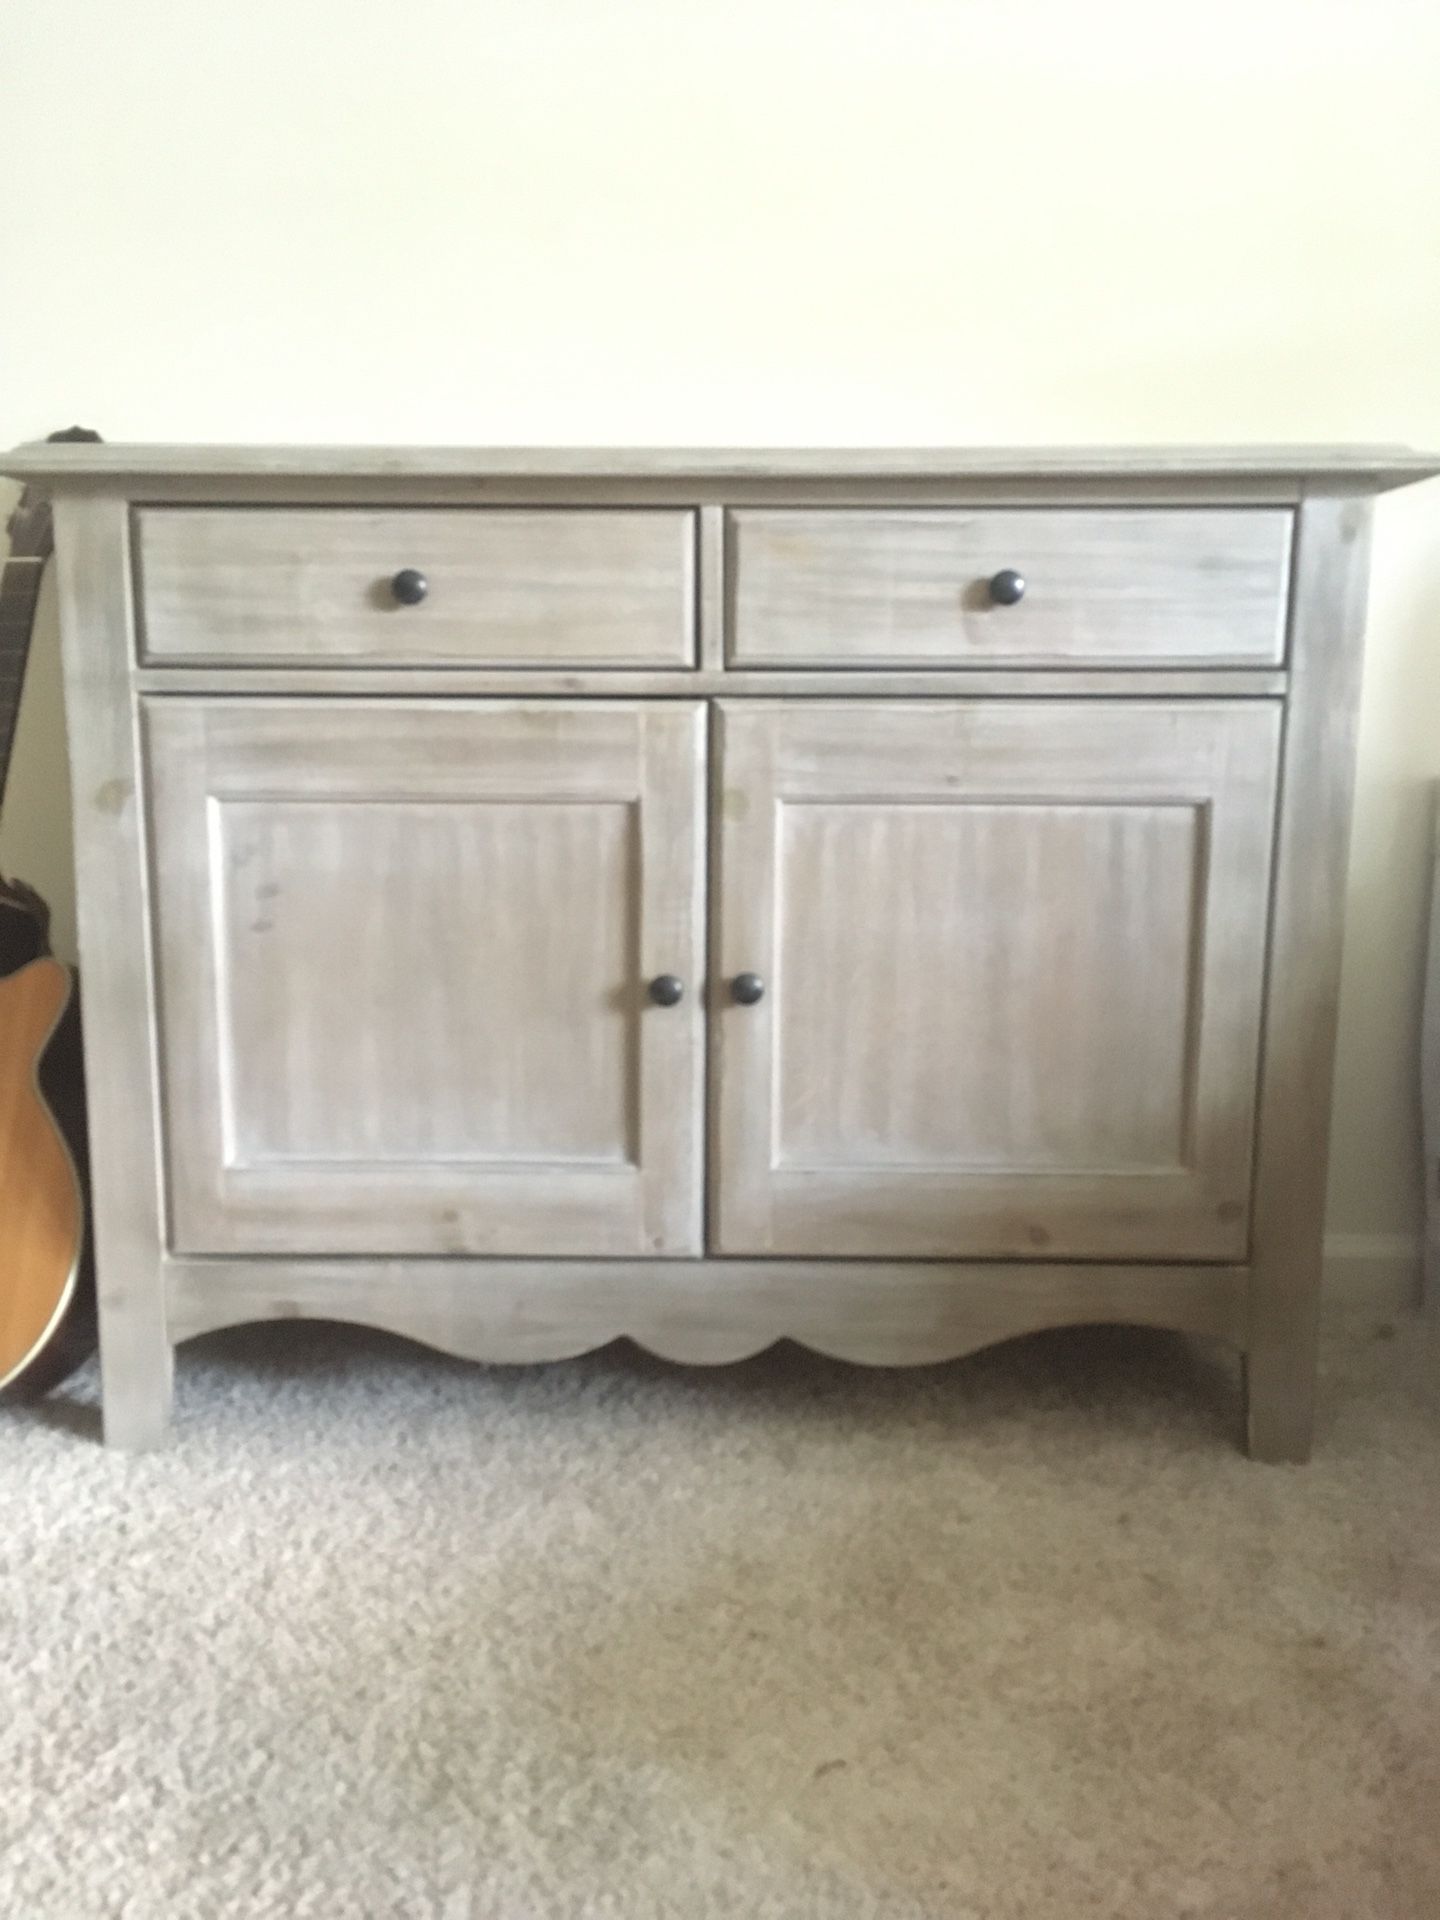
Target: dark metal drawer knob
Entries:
(409, 586)
(747, 988)
(666, 990)
(1007, 587)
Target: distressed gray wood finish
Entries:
(403, 954)
(708, 1312)
(1430, 1083)
(112, 884)
(1014, 957)
(1128, 683)
(896, 588)
(1307, 923)
(558, 586)
(1367, 468)
(363, 780)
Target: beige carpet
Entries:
(386, 1635)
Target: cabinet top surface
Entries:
(1377, 467)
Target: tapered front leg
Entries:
(1280, 1401)
(137, 1375)
(1307, 919)
(112, 887)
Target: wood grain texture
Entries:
(404, 950)
(710, 1312)
(892, 588)
(1373, 467)
(1067, 849)
(1126, 683)
(1014, 956)
(641, 490)
(40, 1202)
(554, 587)
(1430, 1081)
(112, 888)
(710, 599)
(1308, 908)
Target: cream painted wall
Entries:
(797, 221)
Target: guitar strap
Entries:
(32, 541)
(24, 917)
(24, 926)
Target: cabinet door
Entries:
(1012, 958)
(403, 951)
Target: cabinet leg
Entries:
(1280, 1401)
(136, 1372)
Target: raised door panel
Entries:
(1013, 957)
(402, 958)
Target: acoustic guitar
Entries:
(47, 1300)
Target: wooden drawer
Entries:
(503, 586)
(1107, 586)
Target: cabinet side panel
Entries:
(112, 888)
(1317, 781)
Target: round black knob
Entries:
(409, 586)
(747, 988)
(1007, 587)
(666, 990)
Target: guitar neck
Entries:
(19, 592)
(32, 541)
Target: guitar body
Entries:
(46, 1305)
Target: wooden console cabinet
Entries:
(890, 900)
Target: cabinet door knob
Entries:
(409, 586)
(747, 988)
(666, 990)
(1007, 587)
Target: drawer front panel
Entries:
(1101, 587)
(501, 586)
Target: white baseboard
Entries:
(1372, 1270)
